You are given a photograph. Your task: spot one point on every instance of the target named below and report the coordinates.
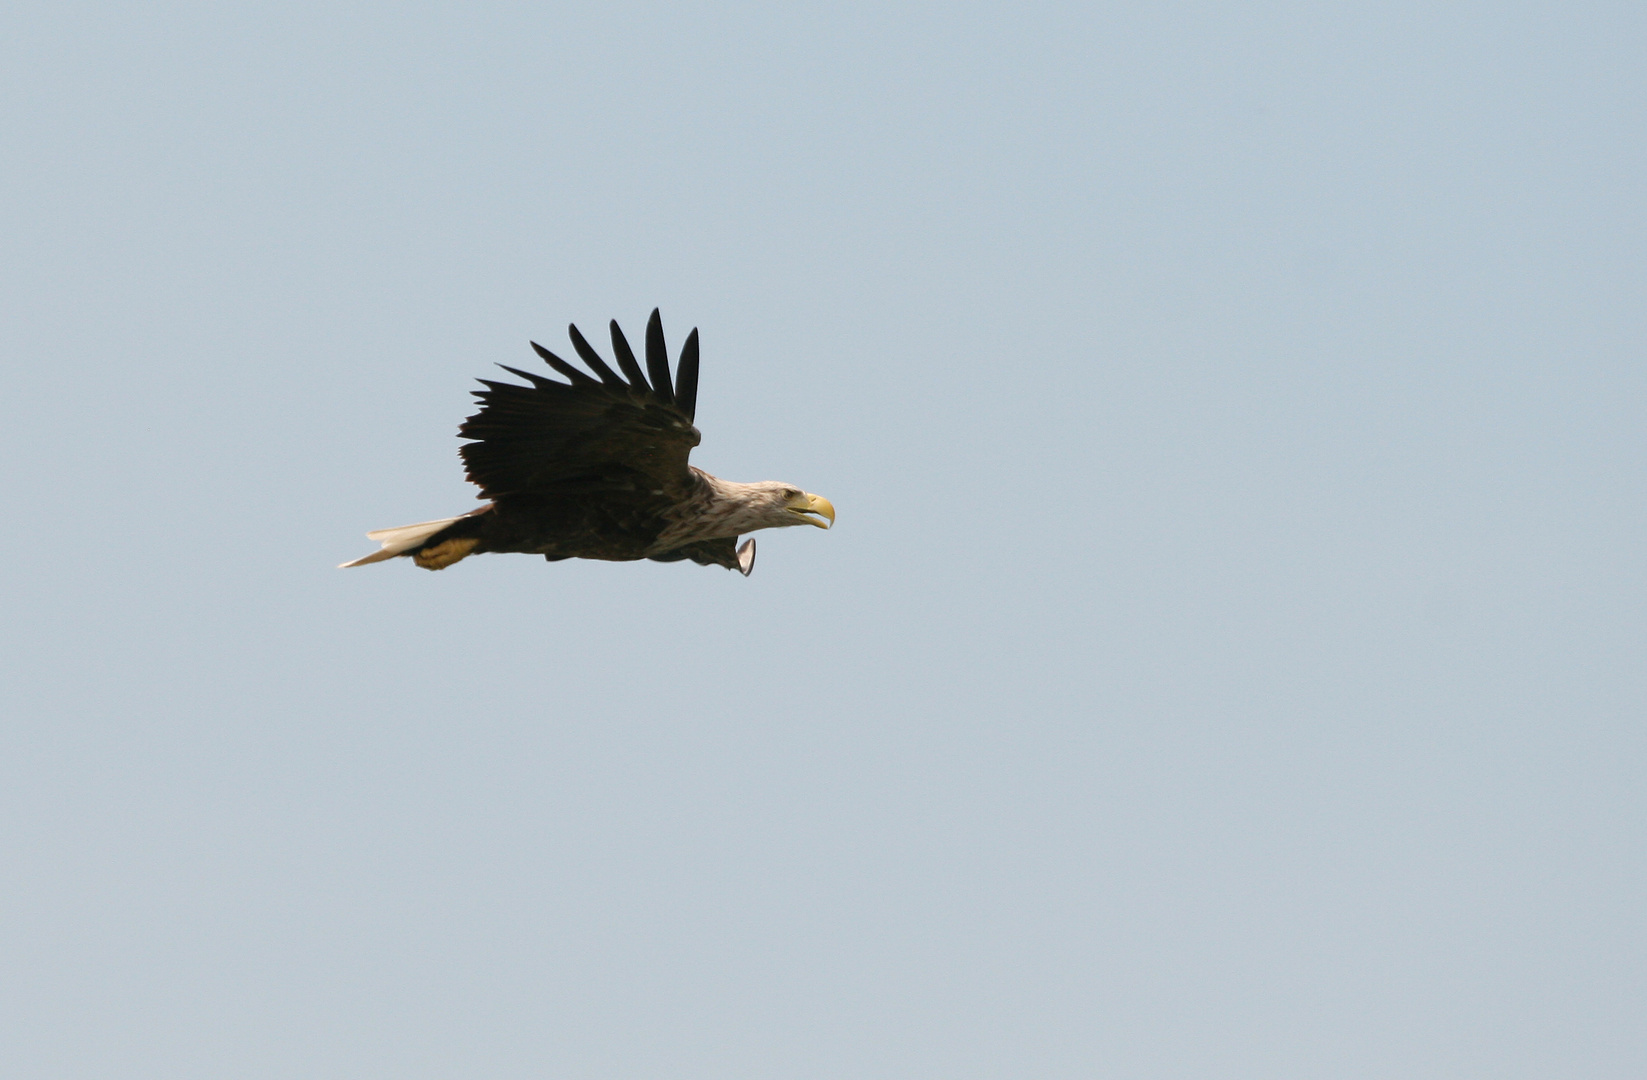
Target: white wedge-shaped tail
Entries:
(399, 541)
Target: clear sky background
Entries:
(1228, 661)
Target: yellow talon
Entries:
(445, 553)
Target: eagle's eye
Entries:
(790, 493)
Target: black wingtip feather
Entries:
(578, 378)
(536, 380)
(592, 358)
(657, 359)
(686, 377)
(626, 359)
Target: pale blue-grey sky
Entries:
(1227, 662)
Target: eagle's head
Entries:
(735, 508)
(781, 504)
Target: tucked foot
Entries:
(445, 553)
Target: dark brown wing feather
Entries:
(721, 552)
(593, 434)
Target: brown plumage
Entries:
(596, 468)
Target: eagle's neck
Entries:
(716, 508)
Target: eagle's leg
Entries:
(440, 556)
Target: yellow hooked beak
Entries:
(805, 505)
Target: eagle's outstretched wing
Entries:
(606, 432)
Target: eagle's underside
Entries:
(575, 527)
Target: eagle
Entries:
(595, 468)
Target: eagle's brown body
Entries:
(595, 468)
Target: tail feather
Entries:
(399, 540)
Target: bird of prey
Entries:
(595, 468)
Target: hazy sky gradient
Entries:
(1227, 662)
